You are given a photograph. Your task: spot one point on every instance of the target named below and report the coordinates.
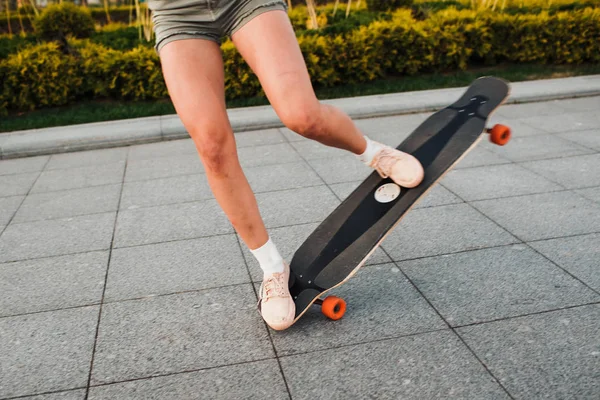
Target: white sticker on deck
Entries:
(388, 192)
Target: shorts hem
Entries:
(255, 12)
(184, 36)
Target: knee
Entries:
(304, 119)
(216, 149)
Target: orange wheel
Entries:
(333, 307)
(499, 134)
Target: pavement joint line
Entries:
(25, 396)
(452, 329)
(152, 296)
(295, 225)
(485, 366)
(25, 314)
(594, 151)
(491, 321)
(187, 291)
(269, 333)
(99, 319)
(313, 169)
(472, 206)
(204, 173)
(142, 207)
(99, 385)
(364, 342)
(563, 269)
(22, 201)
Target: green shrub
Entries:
(38, 76)
(119, 37)
(10, 44)
(386, 5)
(59, 21)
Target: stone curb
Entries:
(152, 129)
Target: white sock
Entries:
(269, 258)
(370, 151)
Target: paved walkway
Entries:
(120, 278)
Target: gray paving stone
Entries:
(69, 203)
(69, 395)
(518, 127)
(400, 125)
(580, 104)
(175, 267)
(46, 352)
(8, 207)
(496, 181)
(288, 239)
(480, 156)
(340, 169)
(590, 193)
(87, 158)
(429, 366)
(172, 222)
(551, 356)
(162, 191)
(267, 155)
(52, 283)
(282, 177)
(178, 333)
(538, 148)
(23, 165)
(381, 303)
(564, 122)
(80, 177)
(291, 136)
(441, 230)
(489, 284)
(170, 148)
(18, 184)
(259, 138)
(527, 110)
(313, 150)
(570, 172)
(589, 138)
(543, 216)
(579, 255)
(254, 380)
(297, 206)
(163, 167)
(344, 189)
(56, 237)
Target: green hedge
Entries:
(117, 14)
(40, 76)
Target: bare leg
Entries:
(270, 47)
(193, 71)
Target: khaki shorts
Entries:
(204, 19)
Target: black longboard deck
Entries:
(348, 236)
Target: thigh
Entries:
(269, 45)
(193, 72)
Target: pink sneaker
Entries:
(275, 302)
(403, 168)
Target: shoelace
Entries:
(273, 286)
(383, 161)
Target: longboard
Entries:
(345, 240)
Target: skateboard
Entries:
(345, 240)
